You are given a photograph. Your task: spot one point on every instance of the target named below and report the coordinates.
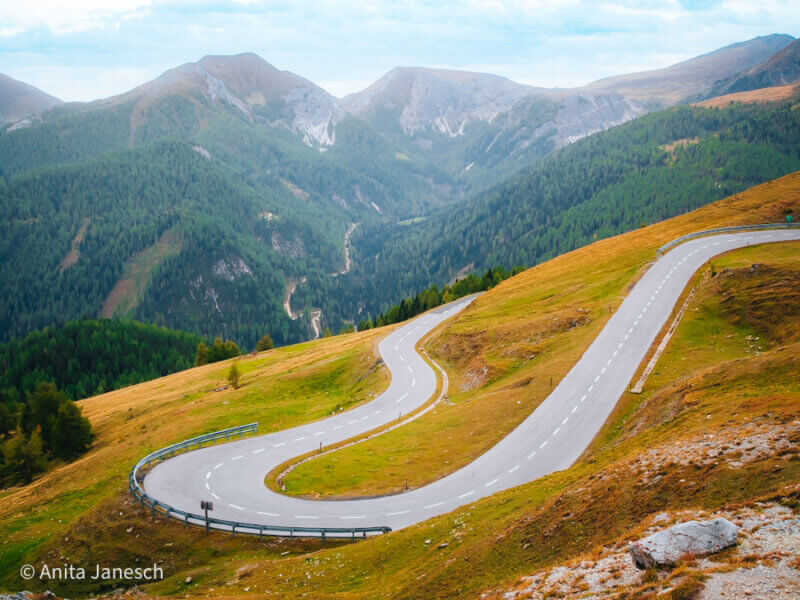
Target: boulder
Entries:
(693, 538)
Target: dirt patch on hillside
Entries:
(75, 248)
(127, 292)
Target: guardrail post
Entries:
(354, 535)
(323, 535)
(260, 533)
(233, 529)
(166, 515)
(291, 533)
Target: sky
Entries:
(88, 49)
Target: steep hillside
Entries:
(649, 458)
(650, 169)
(19, 100)
(254, 136)
(665, 87)
(68, 232)
(780, 69)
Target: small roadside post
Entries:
(206, 505)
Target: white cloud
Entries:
(66, 17)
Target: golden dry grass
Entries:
(770, 94)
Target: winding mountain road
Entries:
(550, 439)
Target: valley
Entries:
(408, 158)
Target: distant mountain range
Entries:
(205, 198)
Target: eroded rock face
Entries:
(693, 538)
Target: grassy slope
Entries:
(489, 542)
(506, 348)
(280, 388)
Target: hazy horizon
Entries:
(90, 50)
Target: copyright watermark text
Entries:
(70, 572)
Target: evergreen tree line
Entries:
(433, 297)
(91, 356)
(47, 427)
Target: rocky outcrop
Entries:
(231, 269)
(439, 100)
(693, 538)
(762, 566)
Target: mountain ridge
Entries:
(780, 69)
(19, 100)
(662, 87)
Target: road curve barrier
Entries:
(734, 229)
(170, 512)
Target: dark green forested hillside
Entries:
(600, 186)
(88, 357)
(187, 213)
(232, 278)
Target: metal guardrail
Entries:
(170, 512)
(691, 236)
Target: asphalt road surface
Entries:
(550, 439)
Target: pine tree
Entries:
(7, 419)
(72, 432)
(202, 355)
(24, 458)
(233, 376)
(230, 349)
(265, 343)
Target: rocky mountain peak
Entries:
(438, 99)
(254, 87)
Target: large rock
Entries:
(692, 538)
